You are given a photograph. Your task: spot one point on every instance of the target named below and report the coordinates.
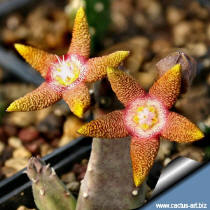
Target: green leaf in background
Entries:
(207, 153)
(98, 15)
(3, 106)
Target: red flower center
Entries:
(67, 71)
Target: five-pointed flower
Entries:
(146, 117)
(66, 76)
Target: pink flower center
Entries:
(145, 118)
(67, 70)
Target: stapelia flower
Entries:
(146, 117)
(66, 76)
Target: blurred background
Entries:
(150, 29)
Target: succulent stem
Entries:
(108, 183)
(48, 190)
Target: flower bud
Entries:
(188, 65)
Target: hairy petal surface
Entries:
(97, 67)
(80, 43)
(40, 98)
(108, 126)
(180, 129)
(38, 59)
(126, 88)
(78, 99)
(143, 153)
(167, 88)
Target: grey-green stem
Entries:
(48, 190)
(108, 183)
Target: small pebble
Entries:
(174, 15)
(181, 32)
(198, 49)
(64, 140)
(206, 64)
(22, 119)
(28, 134)
(69, 177)
(2, 146)
(84, 162)
(161, 46)
(51, 126)
(10, 130)
(61, 110)
(21, 152)
(45, 149)
(42, 114)
(146, 79)
(8, 171)
(14, 142)
(13, 21)
(166, 161)
(16, 163)
(33, 147)
(73, 186)
(54, 142)
(24, 208)
(71, 125)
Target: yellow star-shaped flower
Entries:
(66, 76)
(145, 118)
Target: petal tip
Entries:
(20, 47)
(198, 135)
(17, 45)
(123, 54)
(79, 109)
(118, 57)
(12, 107)
(137, 181)
(79, 112)
(176, 69)
(80, 13)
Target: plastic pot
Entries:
(16, 190)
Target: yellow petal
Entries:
(167, 88)
(80, 43)
(78, 99)
(178, 128)
(143, 153)
(125, 87)
(108, 126)
(40, 98)
(38, 59)
(97, 67)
